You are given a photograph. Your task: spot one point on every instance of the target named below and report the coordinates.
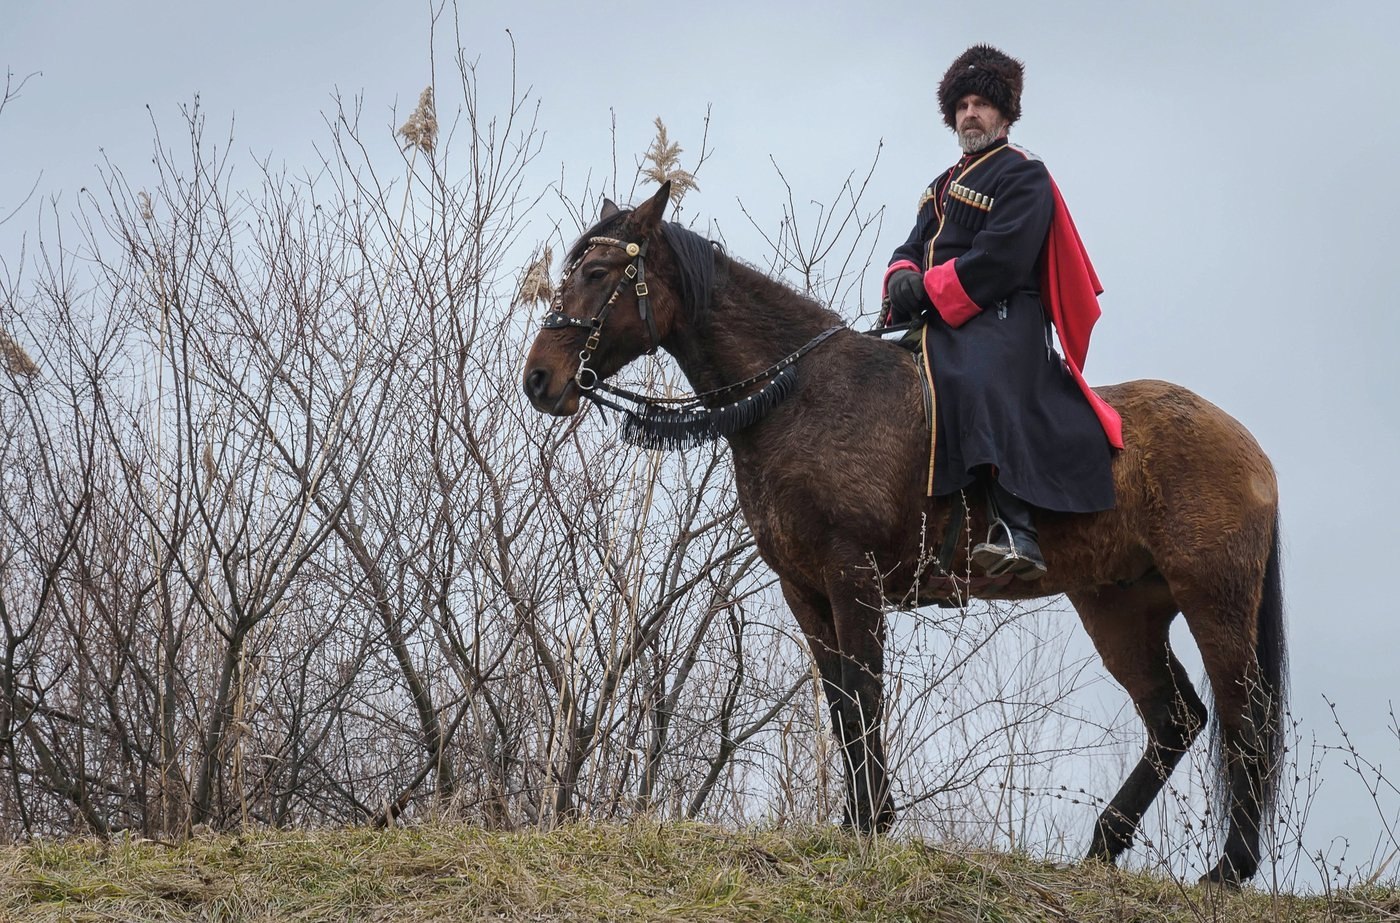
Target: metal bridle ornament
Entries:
(660, 422)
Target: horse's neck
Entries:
(753, 322)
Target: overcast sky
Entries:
(1230, 167)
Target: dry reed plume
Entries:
(664, 156)
(534, 280)
(17, 361)
(421, 128)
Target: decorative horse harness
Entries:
(660, 422)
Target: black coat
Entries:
(1005, 398)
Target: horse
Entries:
(830, 446)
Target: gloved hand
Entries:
(908, 300)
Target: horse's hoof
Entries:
(1222, 876)
(879, 825)
(884, 822)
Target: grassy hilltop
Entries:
(588, 872)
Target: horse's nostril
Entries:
(535, 382)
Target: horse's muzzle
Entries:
(539, 389)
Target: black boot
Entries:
(1011, 546)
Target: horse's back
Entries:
(1154, 408)
(1193, 474)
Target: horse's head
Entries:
(610, 308)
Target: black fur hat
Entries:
(992, 75)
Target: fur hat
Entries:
(992, 75)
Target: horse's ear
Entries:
(609, 209)
(649, 214)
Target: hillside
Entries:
(587, 872)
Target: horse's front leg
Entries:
(860, 631)
(852, 683)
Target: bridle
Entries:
(661, 422)
(586, 378)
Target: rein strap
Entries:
(655, 425)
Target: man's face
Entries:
(978, 122)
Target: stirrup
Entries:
(991, 554)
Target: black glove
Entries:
(908, 300)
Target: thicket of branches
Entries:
(281, 544)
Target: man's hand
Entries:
(908, 299)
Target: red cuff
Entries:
(949, 298)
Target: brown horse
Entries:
(830, 449)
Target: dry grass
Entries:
(587, 872)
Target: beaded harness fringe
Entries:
(655, 425)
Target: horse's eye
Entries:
(596, 273)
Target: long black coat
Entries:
(1005, 398)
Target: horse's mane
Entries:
(694, 255)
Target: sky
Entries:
(1229, 166)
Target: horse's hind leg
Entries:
(1130, 628)
(1223, 624)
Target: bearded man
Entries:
(992, 265)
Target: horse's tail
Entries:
(1269, 702)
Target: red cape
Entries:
(1070, 288)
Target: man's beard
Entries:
(972, 140)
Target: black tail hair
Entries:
(1270, 704)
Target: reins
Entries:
(698, 400)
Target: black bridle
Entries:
(555, 319)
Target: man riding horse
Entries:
(992, 265)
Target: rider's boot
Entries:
(1011, 547)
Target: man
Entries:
(992, 265)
